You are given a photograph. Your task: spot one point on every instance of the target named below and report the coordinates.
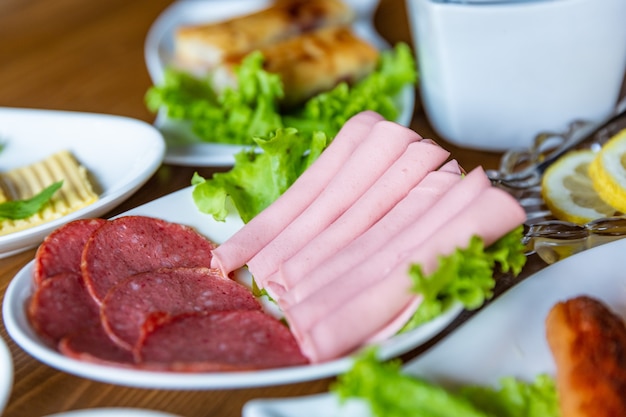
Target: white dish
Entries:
(120, 153)
(112, 412)
(507, 338)
(158, 51)
(179, 207)
(6, 374)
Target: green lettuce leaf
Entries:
(391, 393)
(258, 178)
(21, 209)
(466, 276)
(235, 116)
(238, 115)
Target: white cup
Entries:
(495, 73)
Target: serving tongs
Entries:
(523, 168)
(520, 174)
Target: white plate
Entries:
(120, 153)
(112, 412)
(6, 374)
(158, 51)
(179, 207)
(507, 338)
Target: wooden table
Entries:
(88, 56)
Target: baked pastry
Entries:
(209, 44)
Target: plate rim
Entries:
(20, 288)
(110, 197)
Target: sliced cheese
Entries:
(25, 182)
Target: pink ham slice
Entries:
(405, 212)
(133, 244)
(60, 306)
(344, 327)
(243, 245)
(219, 341)
(61, 250)
(407, 171)
(388, 251)
(174, 291)
(384, 144)
(93, 345)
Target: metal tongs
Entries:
(523, 168)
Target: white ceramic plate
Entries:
(112, 412)
(179, 207)
(183, 148)
(6, 374)
(120, 153)
(507, 338)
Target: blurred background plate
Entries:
(183, 147)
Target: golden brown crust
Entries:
(211, 43)
(317, 61)
(588, 342)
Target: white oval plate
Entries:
(158, 52)
(507, 338)
(112, 412)
(179, 207)
(121, 154)
(6, 374)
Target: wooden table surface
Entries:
(88, 56)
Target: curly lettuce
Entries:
(466, 276)
(238, 115)
(390, 392)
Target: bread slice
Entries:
(25, 182)
(311, 63)
(208, 45)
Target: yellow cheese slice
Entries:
(25, 182)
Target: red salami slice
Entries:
(229, 340)
(133, 244)
(60, 306)
(94, 345)
(174, 291)
(62, 249)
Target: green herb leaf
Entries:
(21, 209)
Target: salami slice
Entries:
(229, 340)
(133, 244)
(62, 249)
(92, 344)
(173, 291)
(61, 305)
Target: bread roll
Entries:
(209, 44)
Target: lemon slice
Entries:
(568, 190)
(608, 172)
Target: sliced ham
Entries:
(132, 244)
(62, 249)
(384, 144)
(258, 232)
(346, 325)
(406, 172)
(405, 212)
(60, 306)
(173, 291)
(228, 340)
(361, 269)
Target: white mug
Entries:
(495, 73)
